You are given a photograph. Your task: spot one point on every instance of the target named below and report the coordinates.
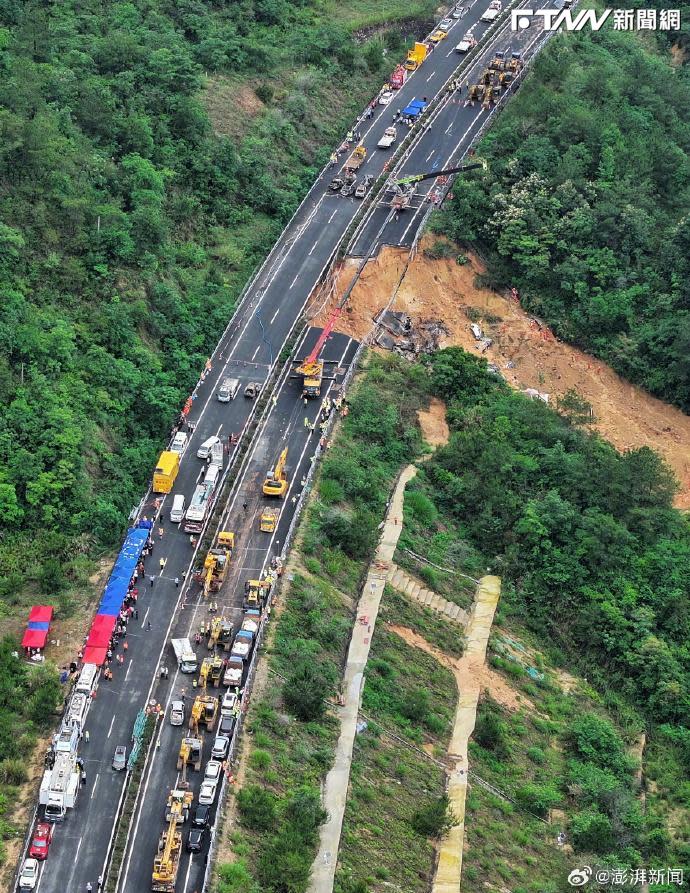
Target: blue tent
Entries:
(416, 107)
(116, 588)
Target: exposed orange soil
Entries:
(625, 415)
(433, 423)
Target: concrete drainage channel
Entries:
(241, 454)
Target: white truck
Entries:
(217, 454)
(493, 12)
(199, 507)
(390, 135)
(60, 782)
(186, 658)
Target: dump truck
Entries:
(398, 78)
(276, 483)
(242, 646)
(416, 56)
(268, 520)
(356, 160)
(186, 658)
(165, 473)
(251, 620)
(493, 11)
(234, 670)
(390, 135)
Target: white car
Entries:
(213, 770)
(207, 792)
(29, 874)
(467, 43)
(459, 12)
(177, 713)
(476, 331)
(385, 97)
(220, 747)
(445, 25)
(229, 702)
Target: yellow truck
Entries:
(166, 471)
(416, 56)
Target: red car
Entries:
(40, 842)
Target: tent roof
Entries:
(94, 655)
(35, 638)
(41, 613)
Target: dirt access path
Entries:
(528, 356)
(338, 778)
(468, 675)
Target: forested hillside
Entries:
(128, 228)
(584, 205)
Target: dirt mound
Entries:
(525, 351)
(433, 423)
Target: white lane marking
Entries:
(128, 669)
(450, 127)
(258, 348)
(430, 154)
(430, 76)
(311, 250)
(276, 313)
(78, 848)
(112, 723)
(95, 784)
(292, 284)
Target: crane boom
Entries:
(417, 178)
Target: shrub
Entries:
(435, 818)
(13, 772)
(260, 759)
(591, 832)
(537, 799)
(306, 690)
(257, 808)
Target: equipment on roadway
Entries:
(405, 187)
(398, 78)
(356, 160)
(190, 752)
(165, 472)
(336, 184)
(60, 783)
(204, 712)
(186, 658)
(498, 63)
(178, 806)
(492, 13)
(167, 861)
(268, 520)
(255, 591)
(312, 367)
(416, 56)
(363, 187)
(276, 480)
(466, 44)
(390, 135)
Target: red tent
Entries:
(101, 631)
(38, 627)
(93, 655)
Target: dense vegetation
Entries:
(129, 222)
(584, 204)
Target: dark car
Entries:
(196, 840)
(227, 725)
(202, 816)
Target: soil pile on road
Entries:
(525, 351)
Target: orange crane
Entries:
(312, 367)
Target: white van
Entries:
(204, 450)
(179, 442)
(177, 510)
(212, 474)
(228, 390)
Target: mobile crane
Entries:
(311, 368)
(276, 479)
(167, 861)
(404, 187)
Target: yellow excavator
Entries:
(276, 479)
(190, 752)
(204, 672)
(167, 860)
(204, 712)
(268, 520)
(254, 592)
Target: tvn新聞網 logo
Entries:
(574, 20)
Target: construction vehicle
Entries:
(204, 712)
(356, 159)
(190, 752)
(515, 63)
(498, 63)
(491, 94)
(225, 638)
(492, 12)
(416, 56)
(226, 539)
(242, 646)
(220, 631)
(234, 670)
(404, 188)
(167, 861)
(390, 135)
(204, 672)
(255, 591)
(217, 668)
(60, 783)
(268, 520)
(214, 570)
(178, 805)
(312, 367)
(276, 480)
(475, 93)
(166, 472)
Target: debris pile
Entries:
(397, 332)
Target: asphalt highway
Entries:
(253, 551)
(445, 141)
(248, 349)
